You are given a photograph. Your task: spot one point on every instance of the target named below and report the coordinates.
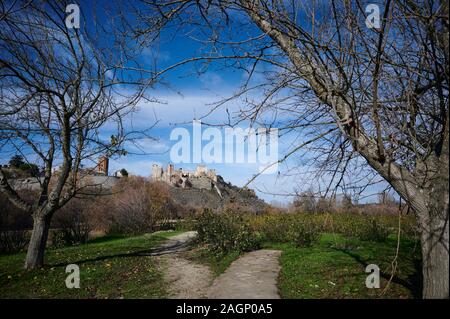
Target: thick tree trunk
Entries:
(38, 241)
(434, 226)
(435, 257)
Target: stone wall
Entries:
(201, 182)
(201, 178)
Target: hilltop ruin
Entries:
(205, 188)
(201, 178)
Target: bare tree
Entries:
(356, 93)
(386, 198)
(63, 94)
(305, 202)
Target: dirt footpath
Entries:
(252, 276)
(185, 279)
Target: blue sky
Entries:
(188, 95)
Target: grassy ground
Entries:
(335, 268)
(217, 264)
(110, 267)
(114, 267)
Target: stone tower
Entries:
(169, 172)
(200, 170)
(212, 174)
(103, 164)
(157, 172)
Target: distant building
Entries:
(93, 176)
(121, 173)
(103, 165)
(201, 178)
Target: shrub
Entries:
(130, 212)
(73, 223)
(275, 228)
(304, 234)
(136, 207)
(301, 229)
(373, 230)
(14, 224)
(13, 240)
(226, 232)
(362, 226)
(410, 228)
(13, 218)
(231, 231)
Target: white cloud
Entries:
(177, 109)
(147, 146)
(151, 54)
(211, 80)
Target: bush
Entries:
(226, 232)
(14, 224)
(130, 212)
(362, 226)
(136, 207)
(13, 240)
(372, 230)
(304, 234)
(73, 223)
(275, 228)
(13, 218)
(301, 229)
(242, 232)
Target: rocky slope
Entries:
(229, 196)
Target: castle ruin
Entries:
(201, 178)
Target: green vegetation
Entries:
(324, 255)
(217, 264)
(226, 232)
(335, 268)
(23, 169)
(110, 267)
(288, 227)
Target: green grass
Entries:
(110, 267)
(335, 268)
(114, 267)
(217, 264)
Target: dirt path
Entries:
(185, 279)
(175, 244)
(251, 276)
(254, 275)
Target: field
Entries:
(315, 263)
(110, 267)
(334, 267)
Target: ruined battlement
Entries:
(201, 178)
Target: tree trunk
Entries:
(38, 241)
(435, 259)
(434, 226)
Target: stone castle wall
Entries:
(201, 178)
